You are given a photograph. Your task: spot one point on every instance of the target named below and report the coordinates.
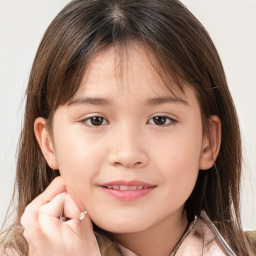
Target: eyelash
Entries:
(171, 121)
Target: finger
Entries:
(84, 229)
(30, 215)
(71, 210)
(55, 207)
(32, 234)
(61, 205)
(49, 216)
(56, 187)
(50, 226)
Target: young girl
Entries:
(131, 142)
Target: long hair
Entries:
(182, 51)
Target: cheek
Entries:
(180, 150)
(179, 159)
(75, 151)
(79, 163)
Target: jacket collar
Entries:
(200, 239)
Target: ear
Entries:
(211, 143)
(45, 142)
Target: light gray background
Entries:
(231, 24)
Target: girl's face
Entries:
(129, 131)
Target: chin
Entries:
(121, 226)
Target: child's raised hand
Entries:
(47, 235)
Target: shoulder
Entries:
(204, 237)
(107, 247)
(8, 252)
(215, 234)
(252, 235)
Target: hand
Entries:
(47, 235)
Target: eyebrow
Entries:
(165, 99)
(106, 102)
(90, 101)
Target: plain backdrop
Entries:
(231, 24)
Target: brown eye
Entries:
(162, 120)
(159, 120)
(95, 121)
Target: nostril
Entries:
(128, 158)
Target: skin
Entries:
(44, 232)
(129, 144)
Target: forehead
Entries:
(132, 70)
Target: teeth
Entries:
(123, 187)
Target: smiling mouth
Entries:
(123, 187)
(127, 190)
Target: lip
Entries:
(127, 195)
(127, 183)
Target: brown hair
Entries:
(182, 49)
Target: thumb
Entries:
(84, 229)
(82, 225)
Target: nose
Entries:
(128, 149)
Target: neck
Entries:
(159, 239)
